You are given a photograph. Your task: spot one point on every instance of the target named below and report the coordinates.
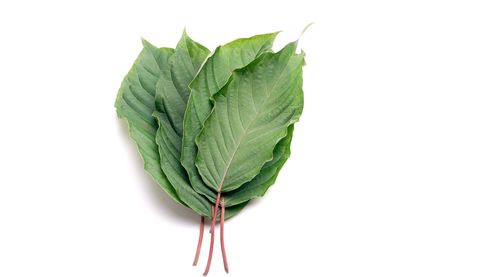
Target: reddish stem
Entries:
(200, 239)
(223, 248)
(212, 235)
(214, 214)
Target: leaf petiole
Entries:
(200, 240)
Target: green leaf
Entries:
(136, 102)
(173, 94)
(251, 115)
(258, 186)
(211, 78)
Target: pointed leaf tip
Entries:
(145, 42)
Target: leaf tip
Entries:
(305, 28)
(146, 44)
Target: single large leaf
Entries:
(259, 185)
(136, 102)
(211, 78)
(251, 115)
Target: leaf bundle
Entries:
(214, 129)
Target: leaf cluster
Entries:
(208, 123)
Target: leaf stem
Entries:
(223, 248)
(200, 240)
(212, 235)
(214, 214)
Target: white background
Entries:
(395, 167)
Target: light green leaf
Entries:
(136, 102)
(211, 78)
(251, 115)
